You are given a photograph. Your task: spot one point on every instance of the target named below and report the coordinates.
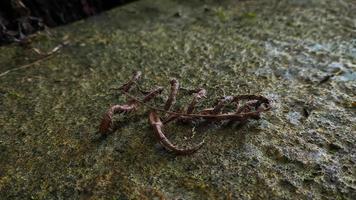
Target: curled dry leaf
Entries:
(252, 108)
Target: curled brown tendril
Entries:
(157, 126)
(252, 108)
(173, 95)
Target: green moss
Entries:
(50, 112)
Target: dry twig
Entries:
(40, 59)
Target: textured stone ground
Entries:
(303, 149)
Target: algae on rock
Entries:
(304, 148)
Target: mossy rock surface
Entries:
(286, 50)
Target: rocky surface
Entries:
(301, 54)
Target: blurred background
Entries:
(19, 18)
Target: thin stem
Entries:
(219, 116)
